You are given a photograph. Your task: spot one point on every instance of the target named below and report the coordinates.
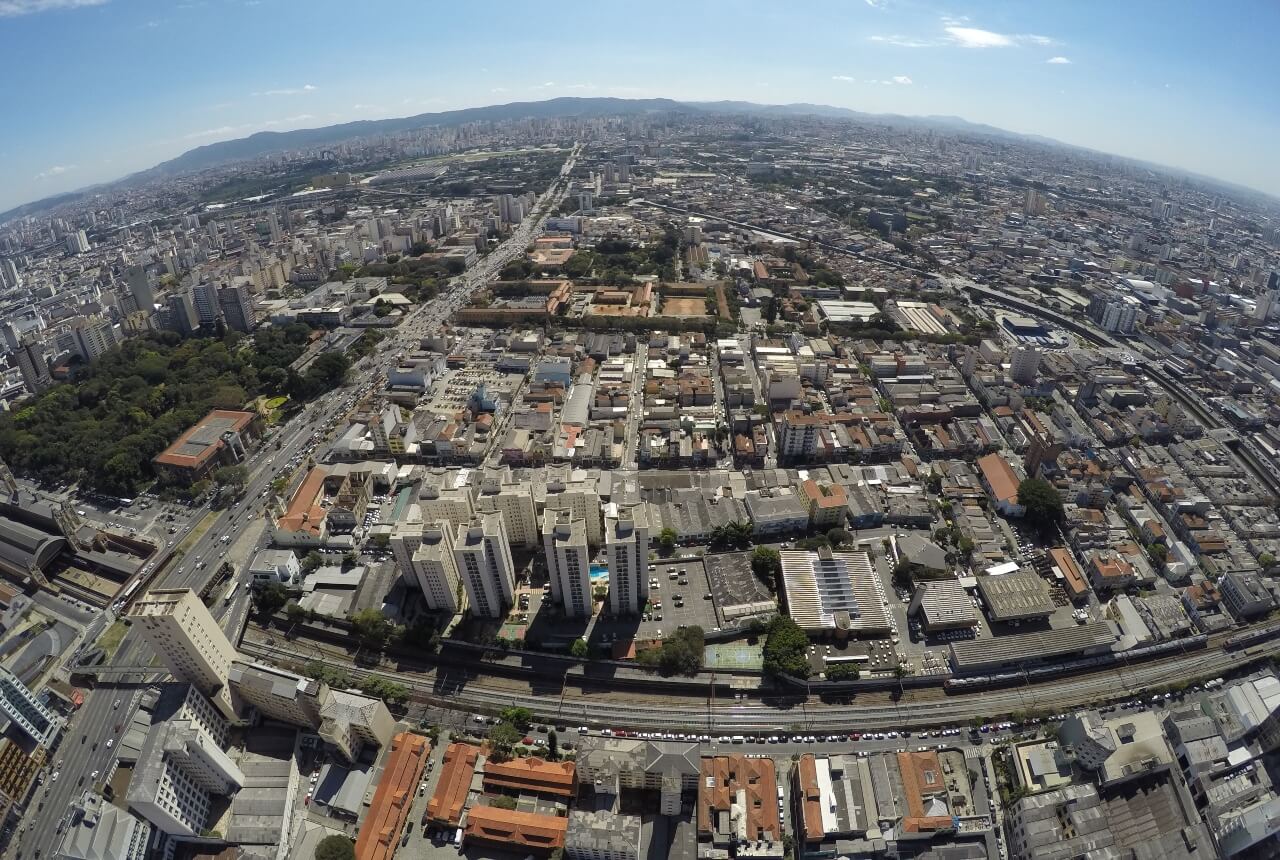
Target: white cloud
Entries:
(903, 41)
(848, 79)
(14, 8)
(289, 91)
(902, 79)
(1058, 61)
(498, 90)
(875, 4)
(972, 37)
(544, 86)
(580, 87)
(1037, 40)
(56, 170)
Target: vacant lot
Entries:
(677, 307)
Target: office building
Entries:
(101, 831)
(277, 694)
(24, 711)
(32, 363)
(140, 288)
(564, 540)
(93, 336)
(205, 300)
(627, 548)
(484, 564)
(435, 569)
(185, 636)
(349, 722)
(1024, 363)
(236, 304)
(182, 316)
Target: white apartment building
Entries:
(184, 635)
(627, 547)
(514, 501)
(448, 504)
(1024, 363)
(564, 539)
(580, 497)
(435, 568)
(483, 558)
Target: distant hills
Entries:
(270, 142)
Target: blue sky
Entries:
(96, 89)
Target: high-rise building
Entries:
(184, 635)
(564, 540)
(584, 201)
(9, 273)
(626, 540)
(514, 501)
(580, 496)
(182, 316)
(483, 558)
(181, 766)
(1033, 202)
(435, 569)
(93, 336)
(25, 711)
(1024, 363)
(1113, 314)
(205, 298)
(277, 694)
(236, 303)
(77, 242)
(32, 363)
(140, 288)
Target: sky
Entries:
(97, 89)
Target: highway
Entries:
(97, 718)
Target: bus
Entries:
(231, 593)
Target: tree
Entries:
(311, 561)
(1041, 502)
(843, 672)
(580, 649)
(503, 801)
(680, 653)
(521, 718)
(335, 847)
(502, 740)
(231, 476)
(295, 613)
(667, 540)
(381, 540)
(270, 599)
(371, 627)
(838, 536)
(786, 649)
(766, 564)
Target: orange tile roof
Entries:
(722, 777)
(506, 827)
(921, 776)
(1076, 585)
(828, 496)
(171, 457)
(1000, 477)
(531, 774)
(447, 803)
(390, 807)
(811, 798)
(305, 513)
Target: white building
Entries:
(184, 635)
(1024, 363)
(627, 547)
(435, 568)
(564, 540)
(483, 558)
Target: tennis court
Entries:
(733, 655)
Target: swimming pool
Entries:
(599, 571)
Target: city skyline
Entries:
(1126, 90)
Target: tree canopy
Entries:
(766, 564)
(680, 653)
(786, 649)
(335, 847)
(1041, 502)
(128, 405)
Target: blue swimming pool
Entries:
(599, 571)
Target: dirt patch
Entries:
(678, 307)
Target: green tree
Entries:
(335, 847)
(502, 740)
(667, 540)
(1041, 502)
(371, 627)
(838, 536)
(766, 564)
(381, 540)
(681, 653)
(843, 672)
(503, 801)
(270, 598)
(295, 613)
(786, 649)
(521, 718)
(311, 561)
(580, 649)
(231, 476)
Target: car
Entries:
(54, 776)
(94, 775)
(111, 742)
